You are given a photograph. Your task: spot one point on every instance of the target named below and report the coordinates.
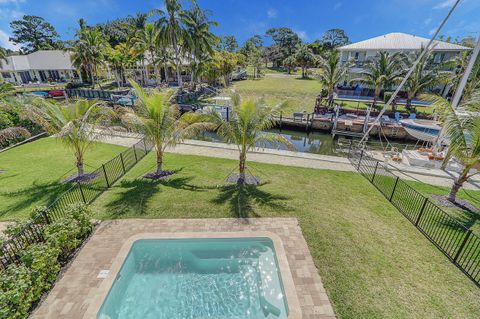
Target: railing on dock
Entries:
(457, 242)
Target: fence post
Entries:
(135, 153)
(105, 174)
(464, 242)
(374, 172)
(281, 120)
(123, 164)
(45, 216)
(421, 211)
(360, 160)
(394, 188)
(81, 192)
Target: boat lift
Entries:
(348, 133)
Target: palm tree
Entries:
(247, 128)
(3, 56)
(160, 121)
(422, 77)
(305, 58)
(200, 40)
(382, 72)
(464, 136)
(332, 71)
(119, 59)
(147, 41)
(172, 30)
(89, 51)
(75, 124)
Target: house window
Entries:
(356, 55)
(6, 75)
(439, 57)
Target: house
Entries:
(362, 51)
(39, 67)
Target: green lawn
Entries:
(373, 262)
(302, 93)
(31, 174)
(471, 220)
(299, 92)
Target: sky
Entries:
(361, 19)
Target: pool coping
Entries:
(294, 308)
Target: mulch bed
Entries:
(80, 179)
(159, 176)
(459, 203)
(249, 179)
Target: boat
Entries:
(424, 130)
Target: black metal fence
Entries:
(94, 94)
(457, 242)
(84, 192)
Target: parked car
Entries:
(56, 93)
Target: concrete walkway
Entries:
(288, 158)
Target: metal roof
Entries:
(401, 41)
(39, 60)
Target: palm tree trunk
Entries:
(159, 161)
(241, 167)
(79, 164)
(157, 74)
(303, 72)
(457, 184)
(165, 71)
(330, 97)
(177, 60)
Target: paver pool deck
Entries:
(75, 291)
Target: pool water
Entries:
(228, 278)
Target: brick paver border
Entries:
(78, 289)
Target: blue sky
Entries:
(309, 18)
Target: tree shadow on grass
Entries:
(135, 194)
(35, 194)
(242, 200)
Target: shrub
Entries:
(16, 292)
(42, 260)
(13, 135)
(67, 233)
(21, 285)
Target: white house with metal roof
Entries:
(39, 67)
(362, 51)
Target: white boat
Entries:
(424, 130)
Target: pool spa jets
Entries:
(219, 275)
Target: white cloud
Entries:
(12, 1)
(5, 42)
(11, 14)
(337, 5)
(432, 31)
(272, 13)
(302, 34)
(427, 21)
(445, 4)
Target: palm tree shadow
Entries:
(36, 193)
(242, 200)
(135, 194)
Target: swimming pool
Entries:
(225, 278)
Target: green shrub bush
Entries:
(16, 292)
(66, 234)
(22, 284)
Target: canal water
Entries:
(315, 142)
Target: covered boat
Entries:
(424, 130)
